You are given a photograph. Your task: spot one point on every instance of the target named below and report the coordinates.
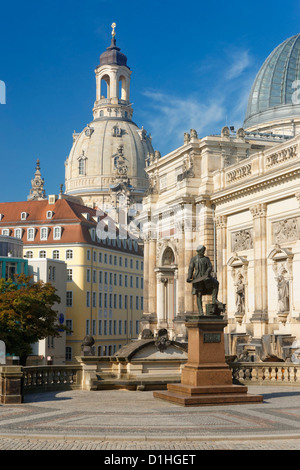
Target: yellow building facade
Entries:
(104, 294)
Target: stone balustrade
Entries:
(16, 381)
(46, 378)
(266, 373)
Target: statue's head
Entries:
(200, 249)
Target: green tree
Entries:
(26, 314)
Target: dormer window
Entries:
(18, 233)
(44, 233)
(1, 216)
(86, 215)
(5, 232)
(24, 215)
(57, 233)
(49, 214)
(93, 234)
(30, 234)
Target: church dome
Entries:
(274, 95)
(91, 167)
(108, 158)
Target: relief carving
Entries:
(242, 240)
(286, 230)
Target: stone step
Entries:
(206, 400)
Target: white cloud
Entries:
(175, 115)
(241, 60)
(222, 102)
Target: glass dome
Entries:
(274, 94)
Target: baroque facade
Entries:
(237, 193)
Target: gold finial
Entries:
(113, 29)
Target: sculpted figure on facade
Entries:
(283, 294)
(199, 274)
(240, 296)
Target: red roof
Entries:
(68, 215)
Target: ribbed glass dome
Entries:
(274, 90)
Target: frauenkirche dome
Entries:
(107, 159)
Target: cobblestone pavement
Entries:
(119, 420)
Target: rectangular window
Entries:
(105, 300)
(115, 260)
(131, 301)
(100, 327)
(55, 254)
(120, 279)
(69, 325)
(115, 327)
(120, 261)
(44, 233)
(94, 327)
(131, 264)
(57, 233)
(69, 298)
(110, 327)
(126, 263)
(69, 254)
(105, 278)
(87, 327)
(125, 301)
(142, 303)
(110, 301)
(88, 275)
(120, 327)
(136, 327)
(88, 255)
(100, 299)
(137, 265)
(137, 282)
(120, 301)
(100, 277)
(30, 234)
(131, 281)
(137, 302)
(126, 281)
(88, 299)
(115, 300)
(94, 299)
(105, 327)
(94, 276)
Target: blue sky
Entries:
(193, 64)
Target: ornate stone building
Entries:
(106, 165)
(237, 193)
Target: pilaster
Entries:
(259, 214)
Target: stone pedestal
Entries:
(206, 379)
(11, 385)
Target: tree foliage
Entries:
(26, 314)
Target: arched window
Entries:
(105, 87)
(42, 254)
(28, 254)
(123, 88)
(55, 254)
(69, 254)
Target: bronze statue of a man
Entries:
(199, 274)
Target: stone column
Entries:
(221, 229)
(260, 315)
